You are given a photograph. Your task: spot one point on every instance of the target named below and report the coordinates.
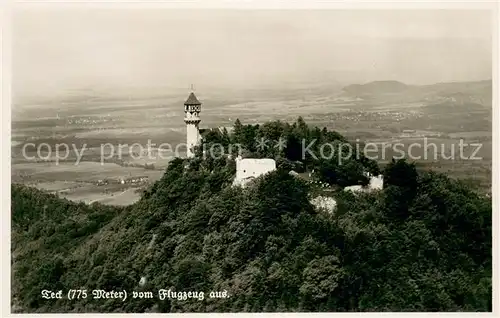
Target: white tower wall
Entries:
(192, 138)
(192, 109)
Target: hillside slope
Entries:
(423, 243)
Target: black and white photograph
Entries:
(245, 160)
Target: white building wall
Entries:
(249, 169)
(376, 183)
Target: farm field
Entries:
(96, 128)
(88, 181)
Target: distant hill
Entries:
(377, 87)
(479, 92)
(452, 107)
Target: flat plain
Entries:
(381, 113)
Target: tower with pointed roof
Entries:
(192, 109)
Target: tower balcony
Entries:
(192, 120)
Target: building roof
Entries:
(192, 100)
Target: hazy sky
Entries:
(70, 48)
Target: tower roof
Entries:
(192, 100)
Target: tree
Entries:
(293, 149)
(402, 174)
(237, 131)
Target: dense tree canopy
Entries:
(423, 243)
(298, 146)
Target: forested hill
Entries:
(423, 243)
